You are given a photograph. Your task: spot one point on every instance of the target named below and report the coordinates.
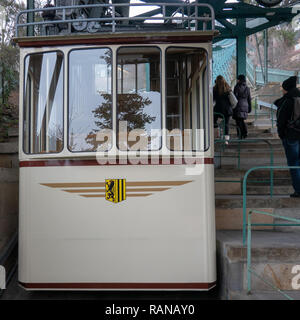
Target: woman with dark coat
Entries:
(222, 103)
(243, 107)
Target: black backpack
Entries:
(294, 123)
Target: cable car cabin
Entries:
(116, 160)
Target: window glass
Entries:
(186, 99)
(90, 98)
(139, 98)
(43, 103)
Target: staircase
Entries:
(275, 250)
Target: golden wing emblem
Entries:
(110, 191)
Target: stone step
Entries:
(13, 132)
(5, 163)
(277, 190)
(9, 160)
(235, 188)
(274, 257)
(253, 153)
(9, 175)
(262, 295)
(247, 163)
(245, 146)
(232, 219)
(9, 147)
(290, 213)
(256, 201)
(251, 129)
(262, 173)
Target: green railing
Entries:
(271, 168)
(238, 156)
(272, 109)
(250, 271)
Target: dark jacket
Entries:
(243, 95)
(223, 104)
(285, 108)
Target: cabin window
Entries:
(139, 98)
(186, 99)
(90, 98)
(43, 103)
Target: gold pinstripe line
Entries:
(102, 184)
(124, 193)
(103, 195)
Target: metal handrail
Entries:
(271, 110)
(245, 191)
(250, 271)
(239, 141)
(113, 19)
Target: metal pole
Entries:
(241, 48)
(249, 255)
(3, 24)
(30, 18)
(266, 42)
(260, 60)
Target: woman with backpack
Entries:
(288, 127)
(223, 107)
(240, 112)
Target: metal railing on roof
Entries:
(186, 16)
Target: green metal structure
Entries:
(239, 20)
(235, 20)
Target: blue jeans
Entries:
(292, 152)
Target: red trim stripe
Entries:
(81, 163)
(154, 39)
(183, 286)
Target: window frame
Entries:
(161, 73)
(30, 109)
(68, 96)
(203, 76)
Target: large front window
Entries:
(43, 103)
(115, 100)
(90, 97)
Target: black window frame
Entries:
(30, 109)
(68, 95)
(205, 77)
(161, 97)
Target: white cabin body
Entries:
(154, 226)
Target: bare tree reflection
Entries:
(130, 108)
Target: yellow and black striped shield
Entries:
(115, 190)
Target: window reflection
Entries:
(90, 97)
(138, 96)
(43, 103)
(187, 103)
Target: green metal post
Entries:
(241, 47)
(30, 18)
(249, 255)
(256, 105)
(1, 85)
(266, 46)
